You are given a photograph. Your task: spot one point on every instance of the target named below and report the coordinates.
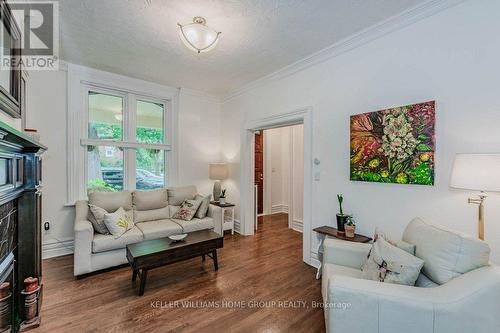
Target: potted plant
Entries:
(341, 217)
(222, 199)
(350, 227)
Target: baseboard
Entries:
(281, 208)
(57, 248)
(297, 225)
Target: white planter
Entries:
(222, 200)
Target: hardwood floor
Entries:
(266, 267)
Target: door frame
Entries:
(247, 209)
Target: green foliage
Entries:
(223, 193)
(422, 174)
(99, 185)
(148, 159)
(350, 221)
(340, 198)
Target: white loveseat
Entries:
(457, 291)
(152, 216)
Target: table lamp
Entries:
(479, 172)
(217, 172)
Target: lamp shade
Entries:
(218, 171)
(479, 172)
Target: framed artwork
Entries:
(394, 145)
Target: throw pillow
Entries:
(410, 248)
(187, 210)
(119, 222)
(388, 263)
(203, 209)
(96, 217)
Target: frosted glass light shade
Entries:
(218, 171)
(197, 36)
(479, 172)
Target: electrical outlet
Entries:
(46, 226)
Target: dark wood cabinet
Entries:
(21, 214)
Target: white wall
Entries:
(198, 142)
(297, 170)
(276, 172)
(199, 138)
(285, 154)
(451, 57)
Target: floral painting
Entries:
(394, 145)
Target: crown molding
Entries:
(199, 94)
(394, 23)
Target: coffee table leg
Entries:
(214, 257)
(202, 257)
(144, 276)
(134, 275)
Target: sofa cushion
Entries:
(96, 217)
(330, 270)
(447, 254)
(188, 210)
(102, 243)
(111, 201)
(119, 222)
(205, 203)
(151, 215)
(159, 229)
(424, 282)
(195, 224)
(148, 200)
(177, 195)
(410, 248)
(388, 263)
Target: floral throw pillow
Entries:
(388, 263)
(410, 248)
(188, 210)
(119, 222)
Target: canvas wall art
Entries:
(394, 145)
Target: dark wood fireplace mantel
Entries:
(20, 215)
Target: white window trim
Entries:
(80, 79)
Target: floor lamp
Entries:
(478, 172)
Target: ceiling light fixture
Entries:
(197, 36)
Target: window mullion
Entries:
(129, 153)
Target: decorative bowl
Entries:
(177, 238)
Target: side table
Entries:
(227, 224)
(332, 232)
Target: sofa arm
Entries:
(345, 253)
(358, 305)
(215, 212)
(84, 235)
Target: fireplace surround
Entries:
(20, 228)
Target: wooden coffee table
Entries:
(160, 252)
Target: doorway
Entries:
(248, 201)
(279, 175)
(259, 171)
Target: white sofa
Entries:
(457, 291)
(152, 216)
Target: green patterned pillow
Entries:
(187, 210)
(119, 222)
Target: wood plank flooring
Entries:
(266, 267)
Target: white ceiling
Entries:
(139, 38)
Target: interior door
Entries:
(259, 170)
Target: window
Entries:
(126, 141)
